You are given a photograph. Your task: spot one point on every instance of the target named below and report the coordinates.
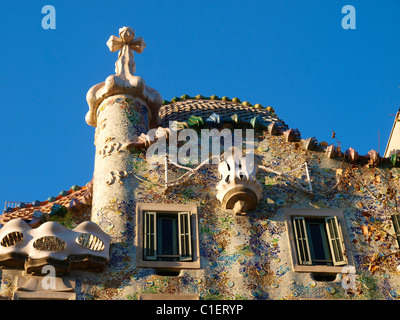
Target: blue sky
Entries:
(292, 55)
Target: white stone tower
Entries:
(120, 108)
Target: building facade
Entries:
(205, 198)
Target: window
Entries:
(316, 240)
(167, 236)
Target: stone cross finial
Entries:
(125, 65)
(124, 81)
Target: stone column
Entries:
(121, 108)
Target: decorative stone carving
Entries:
(125, 65)
(238, 189)
(116, 176)
(84, 247)
(124, 81)
(109, 147)
(144, 140)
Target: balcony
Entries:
(85, 247)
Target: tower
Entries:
(120, 108)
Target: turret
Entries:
(120, 108)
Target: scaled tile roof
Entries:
(82, 196)
(180, 109)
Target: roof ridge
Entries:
(215, 97)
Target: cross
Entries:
(125, 65)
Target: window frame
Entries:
(325, 214)
(168, 209)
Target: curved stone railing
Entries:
(84, 247)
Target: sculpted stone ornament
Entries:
(238, 189)
(145, 140)
(124, 81)
(125, 65)
(23, 247)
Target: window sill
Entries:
(316, 269)
(168, 264)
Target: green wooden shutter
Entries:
(150, 236)
(303, 248)
(185, 237)
(335, 241)
(396, 226)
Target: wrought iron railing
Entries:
(13, 204)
